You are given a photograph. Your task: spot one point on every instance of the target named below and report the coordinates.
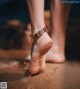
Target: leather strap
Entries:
(39, 34)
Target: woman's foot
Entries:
(39, 49)
(55, 56)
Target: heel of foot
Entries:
(45, 48)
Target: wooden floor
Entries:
(56, 76)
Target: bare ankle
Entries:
(35, 29)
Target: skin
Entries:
(37, 64)
(59, 19)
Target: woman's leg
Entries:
(44, 43)
(59, 19)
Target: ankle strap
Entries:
(39, 34)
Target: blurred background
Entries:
(17, 9)
(15, 12)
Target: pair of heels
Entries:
(37, 64)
